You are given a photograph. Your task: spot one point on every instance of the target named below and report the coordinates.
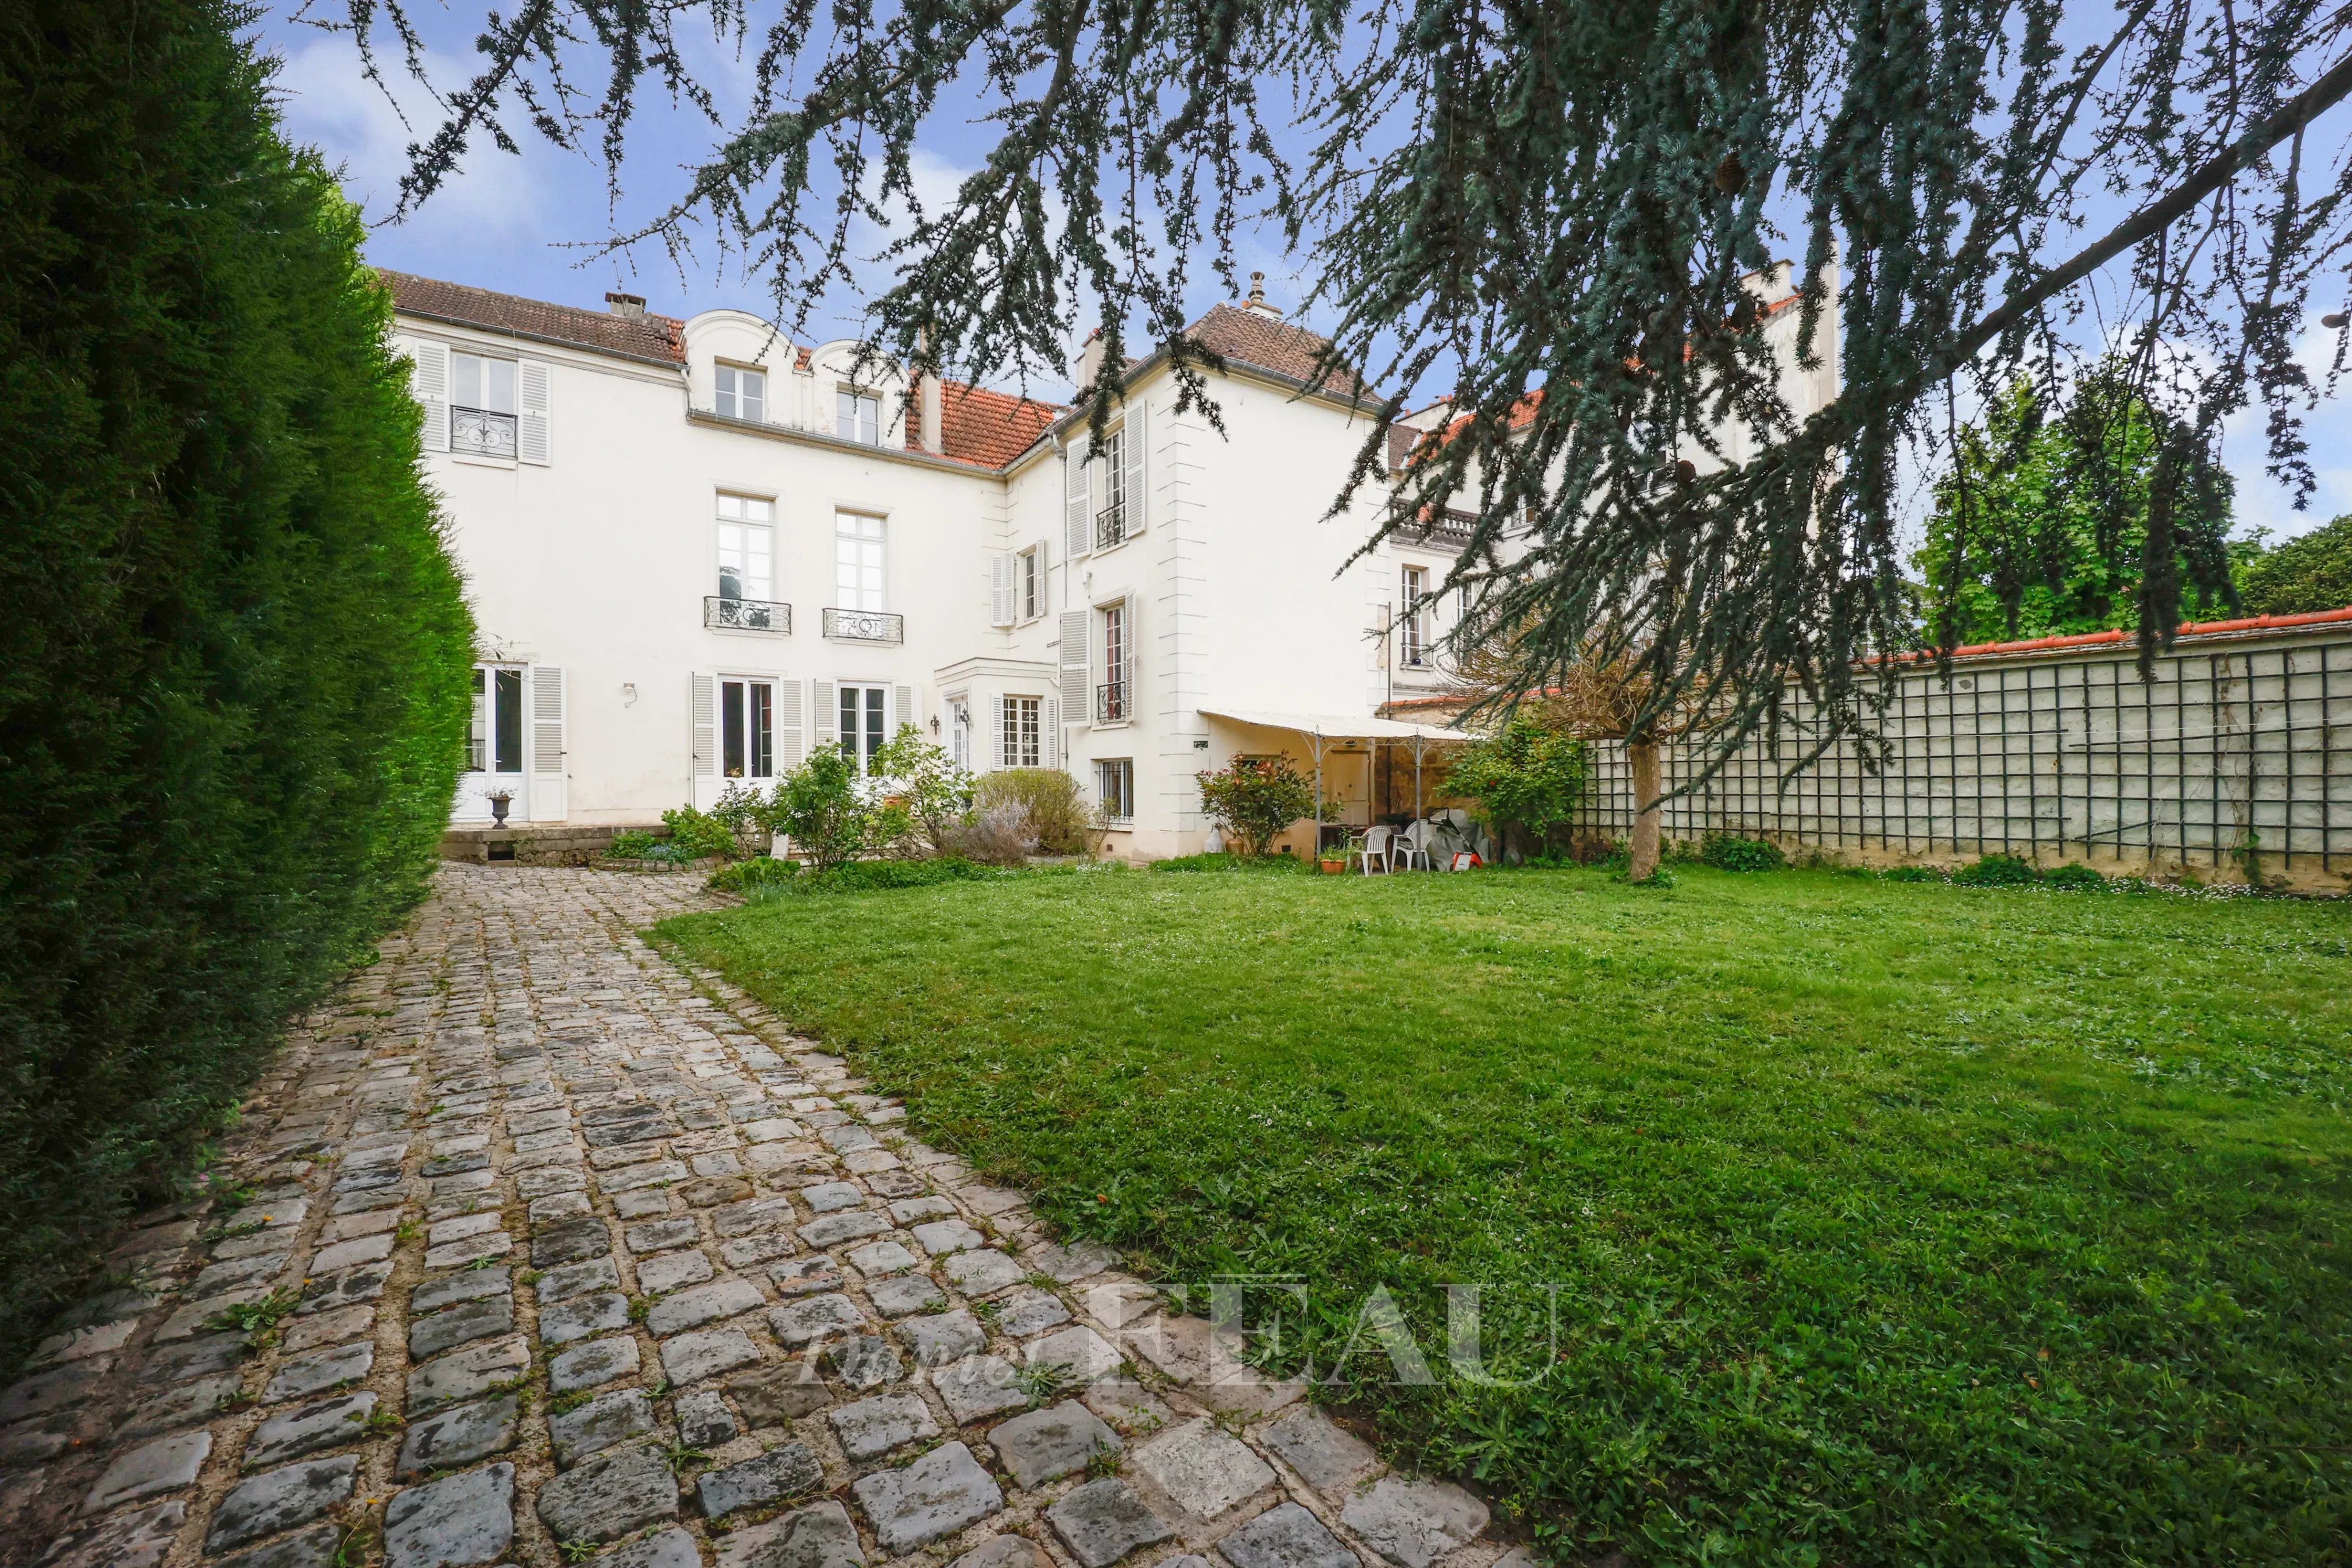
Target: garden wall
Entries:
(2057, 751)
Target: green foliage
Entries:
(2302, 575)
(1230, 862)
(1884, 1224)
(1523, 777)
(698, 835)
(234, 653)
(637, 844)
(856, 876)
(1997, 870)
(1049, 800)
(1254, 799)
(819, 807)
(925, 781)
(2040, 527)
(1727, 851)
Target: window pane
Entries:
(873, 722)
(499, 386)
(755, 395)
(730, 725)
(723, 380)
(850, 722)
(477, 728)
(467, 376)
(763, 726)
(505, 727)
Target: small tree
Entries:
(818, 806)
(1528, 776)
(922, 776)
(1254, 799)
(2313, 572)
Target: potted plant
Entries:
(1333, 859)
(499, 801)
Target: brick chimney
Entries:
(632, 305)
(1089, 360)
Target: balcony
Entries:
(865, 626)
(1110, 526)
(724, 614)
(482, 434)
(1112, 703)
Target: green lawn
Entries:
(1891, 1223)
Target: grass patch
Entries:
(1887, 1223)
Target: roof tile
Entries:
(647, 337)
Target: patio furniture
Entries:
(1376, 848)
(1411, 845)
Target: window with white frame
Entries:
(1413, 631)
(482, 405)
(1110, 509)
(1113, 700)
(857, 562)
(746, 548)
(1024, 733)
(1029, 582)
(494, 738)
(959, 732)
(857, 416)
(1115, 788)
(863, 711)
(747, 727)
(742, 395)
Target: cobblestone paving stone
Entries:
(549, 1252)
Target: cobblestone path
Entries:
(545, 1252)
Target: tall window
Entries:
(744, 394)
(482, 405)
(1031, 584)
(494, 738)
(857, 417)
(1024, 738)
(746, 548)
(1115, 787)
(863, 710)
(747, 723)
(1413, 634)
(1111, 697)
(959, 732)
(1110, 515)
(857, 562)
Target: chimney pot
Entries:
(1256, 304)
(632, 305)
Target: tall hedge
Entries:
(233, 647)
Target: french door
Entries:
(494, 747)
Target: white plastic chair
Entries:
(1375, 848)
(1411, 845)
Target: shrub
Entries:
(1997, 870)
(930, 790)
(1230, 862)
(1724, 851)
(1525, 777)
(759, 872)
(998, 836)
(819, 808)
(1254, 799)
(1056, 813)
(234, 653)
(2314, 572)
(699, 835)
(2080, 876)
(857, 876)
(636, 844)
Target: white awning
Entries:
(1338, 726)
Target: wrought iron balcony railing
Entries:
(481, 433)
(1111, 705)
(746, 614)
(1110, 526)
(865, 626)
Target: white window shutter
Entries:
(1076, 636)
(533, 435)
(1139, 499)
(902, 707)
(706, 726)
(1077, 515)
(1049, 745)
(430, 382)
(827, 697)
(996, 735)
(790, 721)
(1044, 581)
(1002, 585)
(548, 772)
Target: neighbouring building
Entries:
(695, 550)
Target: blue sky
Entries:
(518, 223)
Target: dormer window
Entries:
(742, 395)
(858, 416)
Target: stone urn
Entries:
(498, 804)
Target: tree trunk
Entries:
(1643, 756)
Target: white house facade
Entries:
(695, 550)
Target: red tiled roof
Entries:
(986, 428)
(1246, 338)
(647, 337)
